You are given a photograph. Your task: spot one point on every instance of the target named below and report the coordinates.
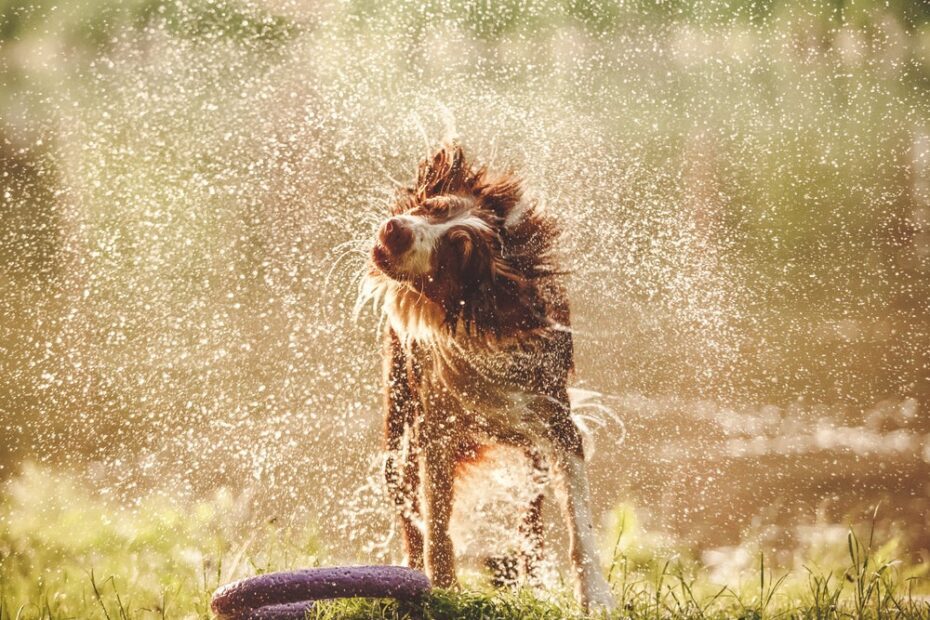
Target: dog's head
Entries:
(464, 241)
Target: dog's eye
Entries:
(462, 241)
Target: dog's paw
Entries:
(504, 569)
(595, 595)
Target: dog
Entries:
(477, 352)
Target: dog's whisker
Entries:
(336, 263)
(351, 242)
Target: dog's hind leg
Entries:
(531, 527)
(439, 472)
(520, 566)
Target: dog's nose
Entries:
(395, 236)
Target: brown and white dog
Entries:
(477, 352)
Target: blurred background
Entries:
(744, 187)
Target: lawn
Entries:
(66, 551)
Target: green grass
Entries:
(67, 551)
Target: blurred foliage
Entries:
(69, 551)
(96, 23)
(491, 20)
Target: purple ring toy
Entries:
(289, 595)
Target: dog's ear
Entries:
(445, 172)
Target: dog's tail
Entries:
(591, 414)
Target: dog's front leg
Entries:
(591, 589)
(401, 429)
(438, 478)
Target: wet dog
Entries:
(477, 352)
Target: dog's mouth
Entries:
(386, 262)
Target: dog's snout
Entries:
(395, 236)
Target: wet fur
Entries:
(478, 351)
